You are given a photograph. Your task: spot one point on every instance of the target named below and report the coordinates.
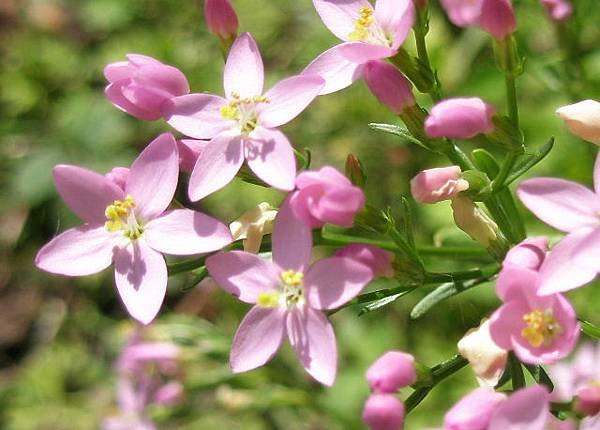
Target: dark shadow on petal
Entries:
(255, 148)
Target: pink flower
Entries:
(539, 329)
(392, 371)
(221, 18)
(558, 10)
(389, 85)
(435, 185)
(289, 296)
(460, 118)
(383, 412)
(574, 209)
(189, 151)
(474, 411)
(130, 227)
(368, 34)
(242, 126)
(378, 260)
(588, 400)
(142, 85)
(497, 17)
(529, 254)
(326, 196)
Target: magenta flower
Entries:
(242, 126)
(130, 227)
(326, 196)
(460, 118)
(383, 411)
(497, 17)
(574, 209)
(189, 151)
(389, 85)
(377, 259)
(436, 185)
(289, 296)
(392, 371)
(474, 411)
(141, 85)
(221, 18)
(368, 34)
(558, 10)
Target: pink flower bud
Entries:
(378, 260)
(435, 185)
(474, 411)
(221, 18)
(392, 371)
(583, 119)
(326, 196)
(118, 175)
(389, 85)
(498, 18)
(588, 400)
(463, 13)
(383, 412)
(189, 151)
(141, 85)
(529, 254)
(558, 10)
(460, 118)
(169, 394)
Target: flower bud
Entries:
(141, 85)
(558, 10)
(169, 394)
(383, 412)
(588, 400)
(354, 171)
(485, 357)
(473, 221)
(498, 18)
(583, 119)
(463, 13)
(326, 196)
(253, 225)
(118, 175)
(392, 371)
(378, 260)
(189, 151)
(474, 411)
(529, 254)
(460, 118)
(221, 18)
(435, 185)
(389, 85)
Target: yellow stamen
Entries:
(119, 216)
(268, 300)
(362, 24)
(292, 278)
(542, 328)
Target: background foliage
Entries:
(59, 336)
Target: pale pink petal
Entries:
(185, 232)
(257, 339)
(396, 17)
(291, 240)
(360, 52)
(597, 174)
(87, 193)
(572, 262)
(77, 252)
(269, 154)
(243, 275)
(189, 151)
(217, 165)
(340, 16)
(564, 205)
(197, 115)
(141, 278)
(288, 98)
(244, 72)
(313, 339)
(153, 177)
(162, 76)
(526, 409)
(337, 70)
(506, 320)
(509, 285)
(141, 59)
(118, 71)
(333, 281)
(115, 93)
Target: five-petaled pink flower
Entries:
(539, 329)
(289, 296)
(242, 125)
(368, 34)
(129, 226)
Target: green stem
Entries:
(186, 266)
(432, 278)
(457, 156)
(421, 29)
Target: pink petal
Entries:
(291, 240)
(141, 278)
(333, 281)
(242, 274)
(168, 78)
(77, 252)
(217, 165)
(338, 71)
(197, 115)
(118, 71)
(597, 174)
(527, 408)
(288, 98)
(87, 193)
(564, 205)
(312, 337)
(511, 280)
(189, 151)
(153, 177)
(340, 16)
(115, 92)
(270, 155)
(141, 59)
(507, 321)
(257, 339)
(396, 17)
(185, 232)
(244, 73)
(360, 52)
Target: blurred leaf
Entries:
(530, 160)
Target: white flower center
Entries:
(243, 111)
(120, 217)
(367, 29)
(290, 294)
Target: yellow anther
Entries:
(542, 328)
(230, 111)
(268, 300)
(117, 217)
(362, 24)
(292, 278)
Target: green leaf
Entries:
(382, 302)
(398, 131)
(485, 162)
(539, 374)
(590, 329)
(530, 160)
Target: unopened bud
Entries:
(389, 85)
(253, 225)
(383, 412)
(474, 221)
(354, 171)
(221, 19)
(583, 119)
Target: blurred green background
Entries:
(59, 337)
